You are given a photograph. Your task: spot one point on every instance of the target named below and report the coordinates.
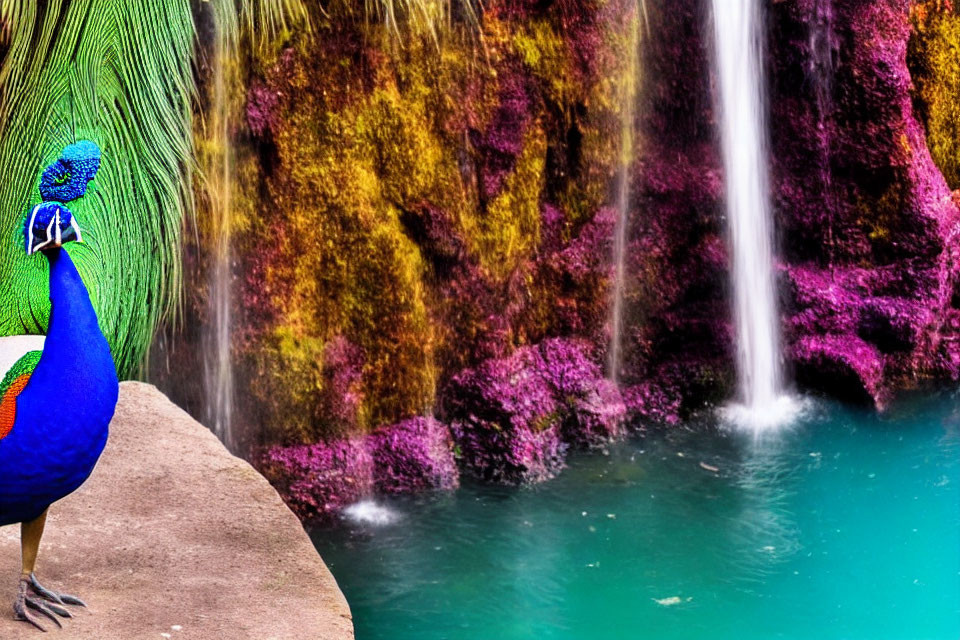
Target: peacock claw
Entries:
(53, 596)
(49, 603)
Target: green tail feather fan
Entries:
(122, 75)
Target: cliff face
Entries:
(869, 231)
(408, 211)
(410, 208)
(423, 240)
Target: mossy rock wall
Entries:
(408, 205)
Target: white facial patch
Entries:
(33, 218)
(49, 239)
(76, 229)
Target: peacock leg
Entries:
(49, 603)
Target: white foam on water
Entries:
(370, 513)
(784, 411)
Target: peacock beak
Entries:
(54, 235)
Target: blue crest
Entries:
(66, 179)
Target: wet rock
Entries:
(842, 366)
(506, 420)
(651, 403)
(413, 455)
(513, 418)
(593, 411)
(870, 231)
(676, 309)
(318, 480)
(500, 143)
(892, 324)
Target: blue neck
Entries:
(74, 341)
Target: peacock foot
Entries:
(48, 603)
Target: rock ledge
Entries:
(174, 537)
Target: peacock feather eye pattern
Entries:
(67, 178)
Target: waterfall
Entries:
(823, 44)
(218, 167)
(820, 68)
(738, 54)
(628, 98)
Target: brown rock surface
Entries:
(173, 535)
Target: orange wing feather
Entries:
(8, 406)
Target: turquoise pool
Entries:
(845, 526)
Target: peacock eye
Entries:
(62, 179)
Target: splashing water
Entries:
(738, 51)
(370, 513)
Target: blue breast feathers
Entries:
(63, 413)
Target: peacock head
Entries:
(49, 226)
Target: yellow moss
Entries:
(347, 168)
(609, 102)
(879, 218)
(407, 158)
(289, 365)
(905, 146)
(509, 230)
(395, 326)
(935, 67)
(544, 52)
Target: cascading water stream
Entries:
(628, 99)
(823, 44)
(218, 367)
(738, 52)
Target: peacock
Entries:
(120, 73)
(59, 392)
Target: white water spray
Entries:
(738, 54)
(369, 512)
